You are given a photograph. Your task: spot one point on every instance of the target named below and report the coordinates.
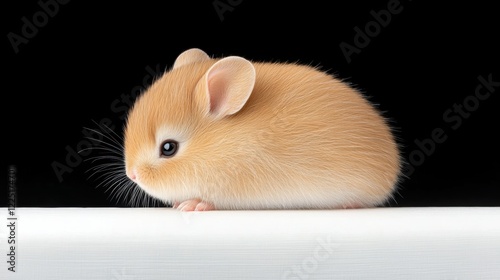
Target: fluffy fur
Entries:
(302, 139)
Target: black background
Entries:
(427, 59)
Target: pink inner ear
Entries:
(217, 91)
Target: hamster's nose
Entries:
(131, 175)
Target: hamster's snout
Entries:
(131, 174)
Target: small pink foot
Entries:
(193, 205)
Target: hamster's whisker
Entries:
(108, 136)
(138, 197)
(86, 149)
(150, 200)
(111, 143)
(110, 179)
(133, 197)
(108, 165)
(125, 191)
(115, 188)
(98, 158)
(108, 172)
(104, 165)
(113, 175)
(114, 136)
(110, 147)
(147, 200)
(103, 149)
(118, 188)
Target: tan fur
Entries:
(303, 139)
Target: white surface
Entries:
(136, 243)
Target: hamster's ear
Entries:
(226, 86)
(190, 56)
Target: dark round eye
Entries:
(168, 148)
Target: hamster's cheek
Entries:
(154, 191)
(155, 186)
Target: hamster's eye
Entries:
(168, 148)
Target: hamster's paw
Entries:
(193, 205)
